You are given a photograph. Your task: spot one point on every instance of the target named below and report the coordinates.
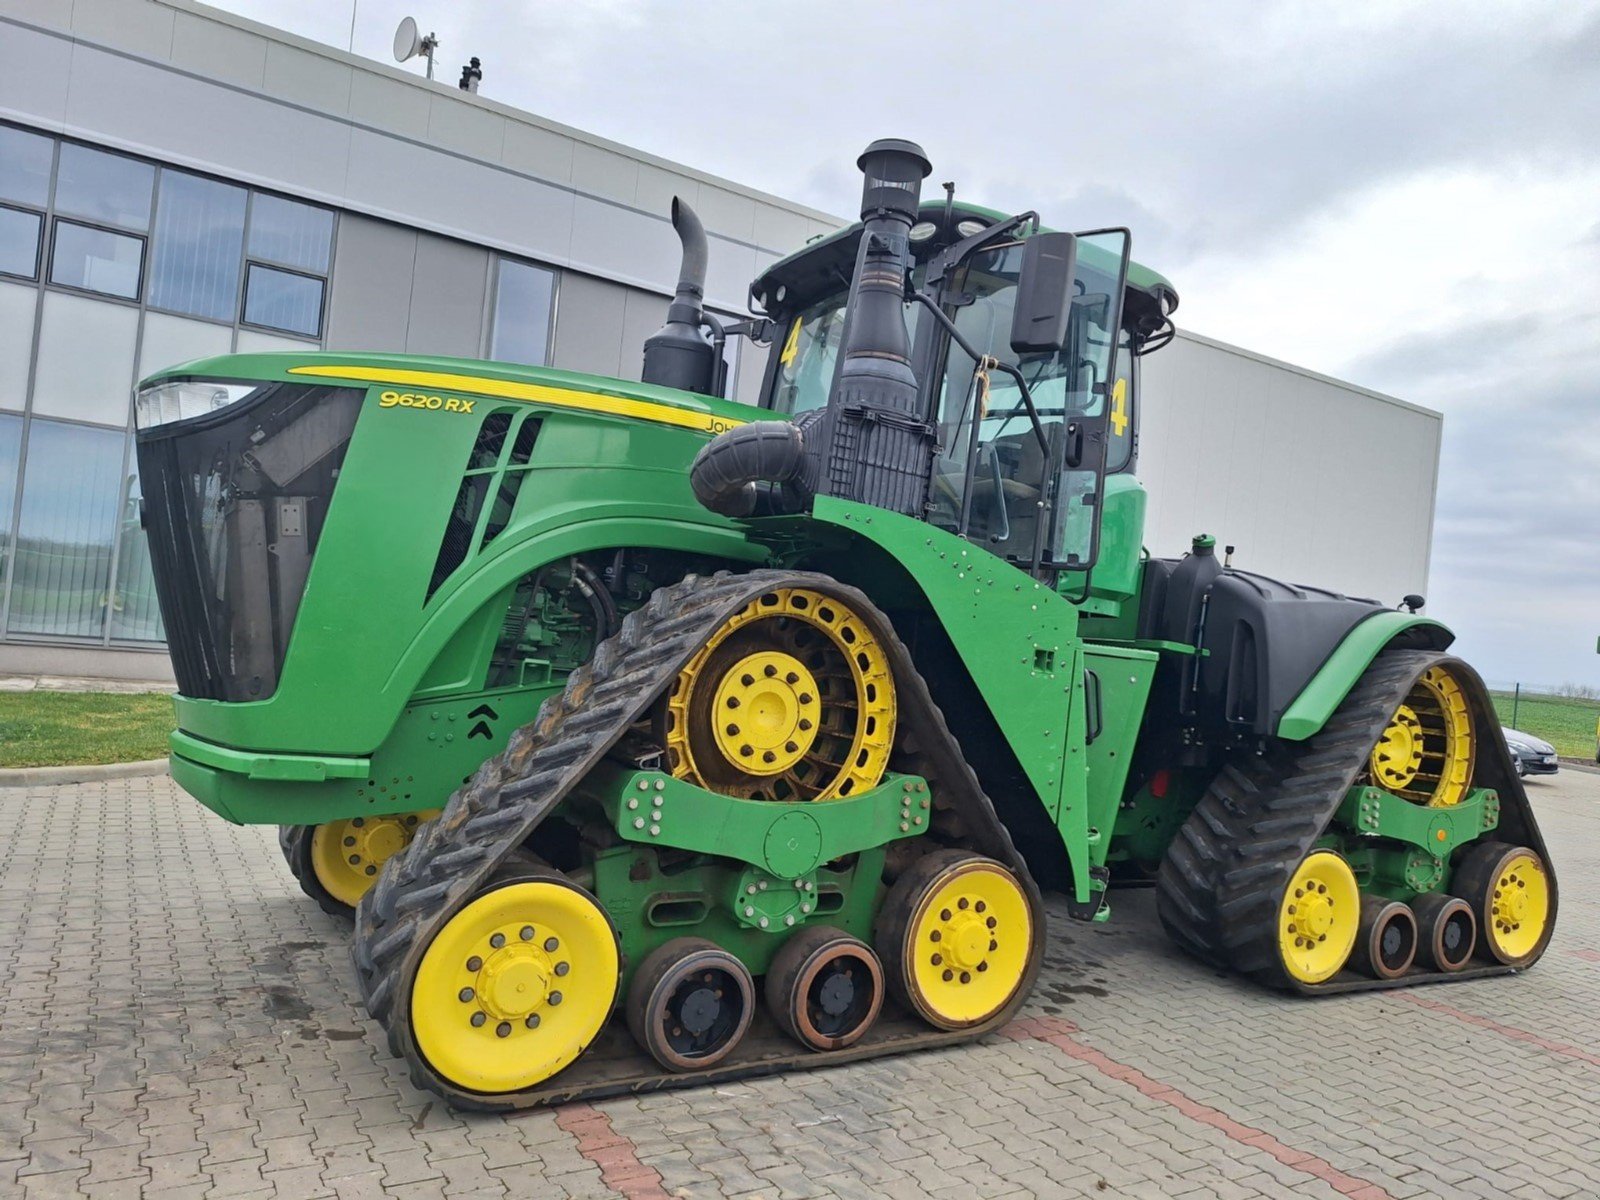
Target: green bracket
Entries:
(1439, 831)
(771, 903)
(785, 840)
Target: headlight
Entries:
(185, 398)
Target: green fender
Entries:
(1334, 679)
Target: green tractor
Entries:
(656, 739)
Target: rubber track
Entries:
(422, 887)
(1221, 882)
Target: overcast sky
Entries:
(1403, 195)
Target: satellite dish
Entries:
(407, 41)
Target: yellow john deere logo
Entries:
(420, 400)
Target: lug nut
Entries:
(503, 1029)
(733, 702)
(791, 677)
(555, 998)
(465, 994)
(533, 1021)
(497, 940)
(527, 933)
(563, 967)
(552, 944)
(804, 723)
(474, 963)
(478, 1019)
(769, 670)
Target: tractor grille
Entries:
(235, 502)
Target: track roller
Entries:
(825, 988)
(955, 934)
(516, 984)
(1319, 917)
(1447, 931)
(1387, 941)
(690, 1003)
(1508, 889)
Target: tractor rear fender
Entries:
(1315, 703)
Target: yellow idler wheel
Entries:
(956, 938)
(1513, 897)
(792, 698)
(516, 985)
(1318, 918)
(346, 855)
(1427, 751)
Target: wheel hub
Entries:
(767, 710)
(1398, 754)
(699, 1010)
(514, 982)
(1314, 915)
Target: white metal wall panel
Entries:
(1312, 480)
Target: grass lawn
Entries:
(58, 729)
(1568, 725)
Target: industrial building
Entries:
(178, 182)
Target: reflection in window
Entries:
(10, 448)
(24, 167)
(70, 492)
(199, 230)
(522, 301)
(281, 300)
(296, 235)
(97, 260)
(104, 187)
(135, 615)
(19, 242)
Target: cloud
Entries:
(1397, 192)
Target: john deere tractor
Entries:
(654, 738)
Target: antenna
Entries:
(407, 43)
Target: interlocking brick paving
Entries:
(177, 1020)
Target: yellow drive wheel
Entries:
(516, 985)
(1426, 753)
(346, 855)
(1513, 897)
(1318, 918)
(956, 936)
(792, 698)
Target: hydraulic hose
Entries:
(759, 469)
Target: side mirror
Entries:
(1044, 294)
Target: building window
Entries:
(96, 260)
(135, 615)
(10, 450)
(524, 300)
(198, 240)
(25, 166)
(70, 487)
(291, 234)
(105, 188)
(86, 356)
(283, 300)
(19, 242)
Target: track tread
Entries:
(1219, 887)
(488, 819)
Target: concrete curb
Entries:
(16, 777)
(1581, 764)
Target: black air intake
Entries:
(877, 444)
(678, 355)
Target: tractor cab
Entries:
(1024, 435)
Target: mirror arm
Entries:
(976, 357)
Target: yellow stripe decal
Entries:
(533, 393)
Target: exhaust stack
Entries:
(678, 355)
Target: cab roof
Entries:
(827, 261)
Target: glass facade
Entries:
(112, 267)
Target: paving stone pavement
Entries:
(176, 1020)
